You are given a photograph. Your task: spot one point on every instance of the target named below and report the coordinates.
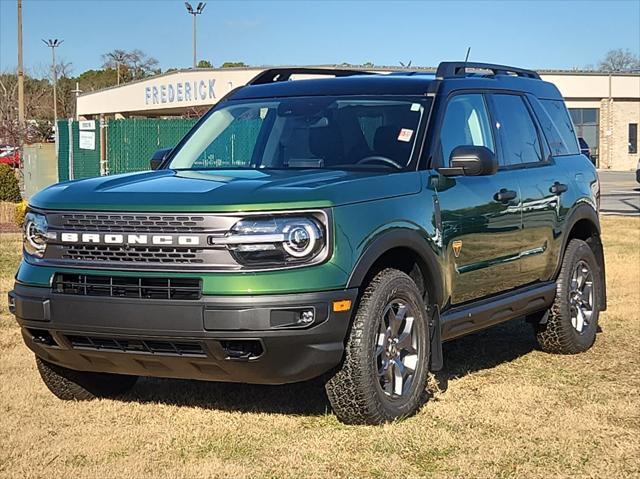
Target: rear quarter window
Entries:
(559, 116)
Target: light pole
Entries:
(198, 10)
(20, 76)
(53, 44)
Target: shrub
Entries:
(21, 211)
(9, 188)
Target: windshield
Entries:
(309, 132)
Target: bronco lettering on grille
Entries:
(130, 239)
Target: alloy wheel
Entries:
(581, 296)
(397, 350)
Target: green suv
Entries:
(341, 226)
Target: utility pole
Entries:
(77, 91)
(53, 44)
(197, 11)
(20, 77)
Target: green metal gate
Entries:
(83, 157)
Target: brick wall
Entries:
(614, 134)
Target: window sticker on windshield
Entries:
(405, 135)
(415, 107)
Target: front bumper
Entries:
(251, 339)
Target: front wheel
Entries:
(384, 373)
(69, 385)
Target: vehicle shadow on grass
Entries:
(480, 351)
(485, 350)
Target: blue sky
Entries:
(542, 34)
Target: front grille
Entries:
(128, 286)
(145, 346)
(144, 252)
(132, 254)
(144, 223)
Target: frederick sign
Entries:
(180, 92)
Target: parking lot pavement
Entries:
(620, 193)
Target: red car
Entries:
(10, 155)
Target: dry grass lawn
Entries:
(502, 409)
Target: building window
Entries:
(633, 138)
(586, 123)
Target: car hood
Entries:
(225, 190)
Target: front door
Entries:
(481, 215)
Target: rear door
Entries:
(481, 219)
(528, 155)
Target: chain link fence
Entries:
(78, 150)
(132, 142)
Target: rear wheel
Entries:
(572, 322)
(384, 373)
(68, 384)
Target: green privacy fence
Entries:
(78, 149)
(62, 150)
(132, 142)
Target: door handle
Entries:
(558, 188)
(505, 195)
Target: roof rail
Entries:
(459, 69)
(283, 74)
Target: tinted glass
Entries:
(590, 135)
(633, 138)
(311, 132)
(518, 134)
(558, 113)
(465, 123)
(576, 115)
(551, 133)
(589, 115)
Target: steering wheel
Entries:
(380, 159)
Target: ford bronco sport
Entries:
(341, 226)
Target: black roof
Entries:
(352, 85)
(449, 77)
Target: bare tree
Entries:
(131, 65)
(619, 60)
(117, 60)
(66, 85)
(38, 107)
(142, 65)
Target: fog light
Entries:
(306, 317)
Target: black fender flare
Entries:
(401, 238)
(584, 211)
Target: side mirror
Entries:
(158, 157)
(468, 160)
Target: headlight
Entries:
(35, 234)
(276, 241)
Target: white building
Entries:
(605, 108)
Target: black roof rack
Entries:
(459, 69)
(283, 74)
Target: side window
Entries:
(465, 122)
(551, 133)
(560, 116)
(518, 133)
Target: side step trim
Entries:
(467, 319)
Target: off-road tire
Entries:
(354, 391)
(70, 385)
(557, 335)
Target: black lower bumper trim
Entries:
(253, 339)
